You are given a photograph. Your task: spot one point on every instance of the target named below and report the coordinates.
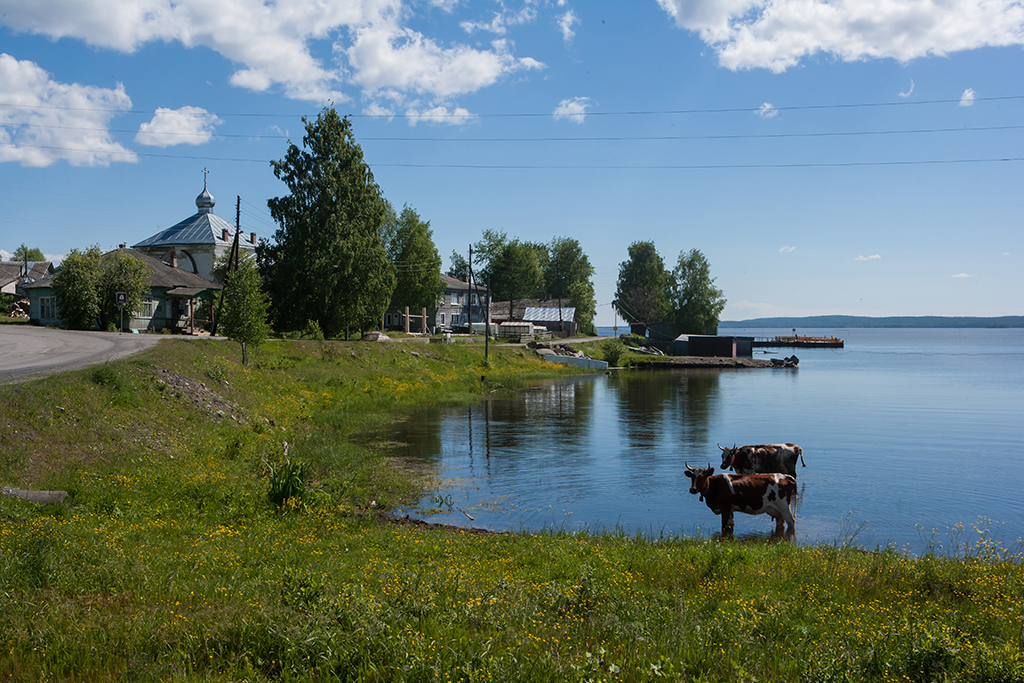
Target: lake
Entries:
(912, 438)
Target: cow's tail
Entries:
(800, 452)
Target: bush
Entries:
(612, 352)
(287, 481)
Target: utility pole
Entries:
(469, 292)
(232, 263)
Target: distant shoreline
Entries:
(853, 321)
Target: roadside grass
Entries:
(170, 562)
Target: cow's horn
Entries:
(723, 449)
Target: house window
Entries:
(47, 307)
(148, 308)
(440, 317)
(476, 301)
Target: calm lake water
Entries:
(908, 436)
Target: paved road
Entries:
(27, 352)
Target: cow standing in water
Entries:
(753, 494)
(778, 457)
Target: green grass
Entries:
(170, 562)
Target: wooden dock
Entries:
(798, 341)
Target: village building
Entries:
(13, 275)
(196, 243)
(172, 302)
(459, 305)
(558, 316)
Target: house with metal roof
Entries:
(556, 315)
(171, 303)
(460, 304)
(13, 275)
(197, 242)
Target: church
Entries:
(195, 244)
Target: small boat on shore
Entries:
(780, 341)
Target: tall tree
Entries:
(417, 263)
(245, 307)
(74, 288)
(24, 253)
(328, 261)
(644, 289)
(515, 273)
(459, 267)
(568, 275)
(696, 301)
(120, 272)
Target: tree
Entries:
(245, 307)
(417, 263)
(696, 300)
(328, 261)
(74, 288)
(642, 295)
(459, 268)
(568, 275)
(120, 272)
(23, 253)
(515, 273)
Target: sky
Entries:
(839, 157)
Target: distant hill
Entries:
(850, 321)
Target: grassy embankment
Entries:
(168, 562)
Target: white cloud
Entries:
(185, 126)
(873, 257)
(5, 255)
(777, 34)
(565, 23)
(967, 99)
(501, 22)
(961, 275)
(440, 115)
(787, 250)
(574, 110)
(908, 93)
(767, 111)
(54, 121)
(273, 43)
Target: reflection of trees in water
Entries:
(662, 408)
(549, 418)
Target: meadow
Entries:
(228, 523)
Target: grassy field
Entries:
(170, 560)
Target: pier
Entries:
(798, 341)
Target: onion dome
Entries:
(205, 201)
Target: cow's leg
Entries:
(727, 523)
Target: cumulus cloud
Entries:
(5, 255)
(767, 111)
(961, 275)
(277, 45)
(967, 99)
(777, 34)
(910, 91)
(52, 121)
(873, 257)
(439, 115)
(502, 21)
(574, 110)
(565, 23)
(787, 250)
(185, 126)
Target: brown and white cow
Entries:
(753, 494)
(777, 457)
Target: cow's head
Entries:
(728, 456)
(699, 477)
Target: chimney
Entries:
(174, 259)
(224, 234)
(252, 237)
(122, 245)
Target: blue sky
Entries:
(842, 157)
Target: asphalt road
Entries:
(27, 352)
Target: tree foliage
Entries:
(515, 273)
(74, 288)
(459, 268)
(120, 272)
(245, 307)
(328, 261)
(417, 263)
(24, 253)
(568, 275)
(696, 301)
(644, 288)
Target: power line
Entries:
(652, 112)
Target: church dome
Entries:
(205, 201)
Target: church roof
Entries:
(203, 227)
